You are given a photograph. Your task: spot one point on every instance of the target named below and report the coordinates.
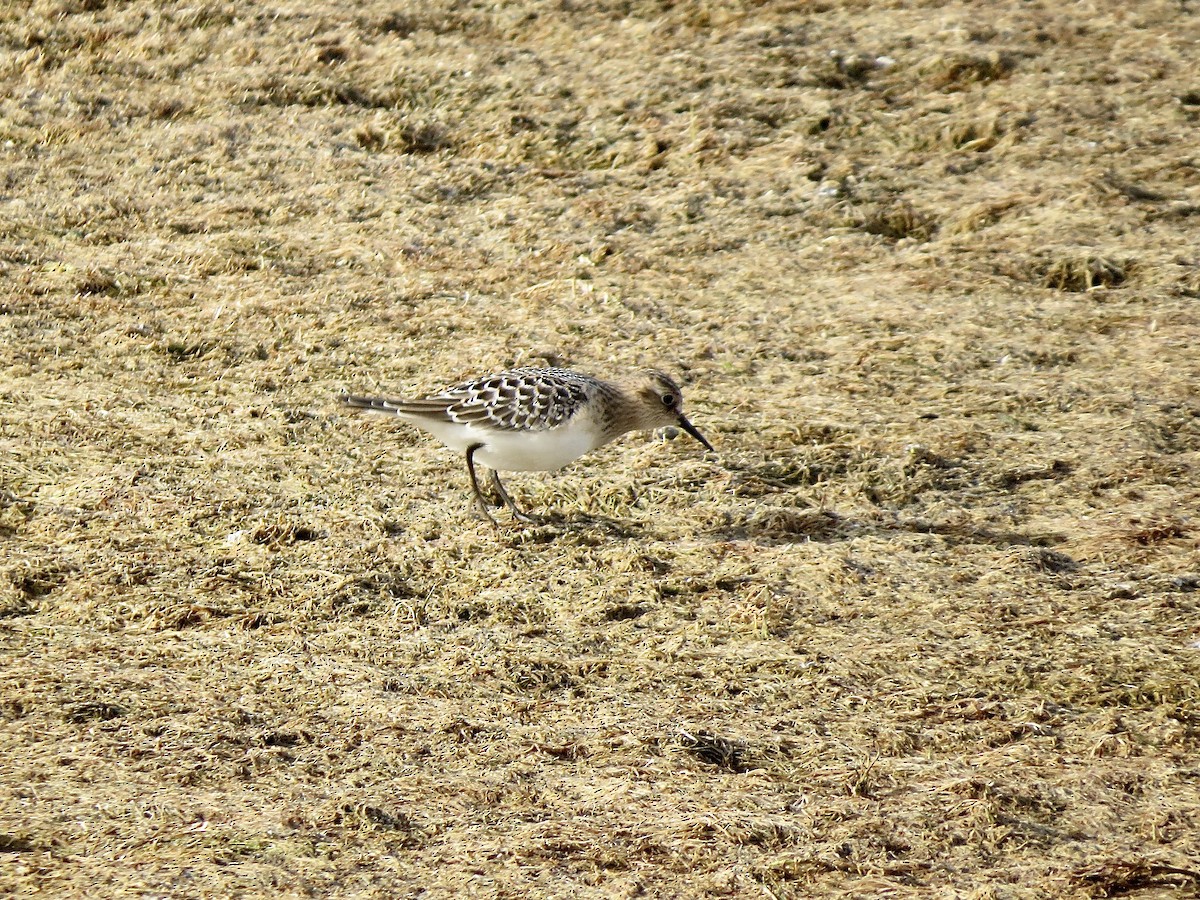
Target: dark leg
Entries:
(475, 483)
(508, 501)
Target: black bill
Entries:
(691, 429)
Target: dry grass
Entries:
(928, 627)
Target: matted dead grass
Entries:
(927, 627)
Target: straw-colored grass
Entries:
(928, 626)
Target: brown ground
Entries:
(928, 626)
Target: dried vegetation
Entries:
(928, 627)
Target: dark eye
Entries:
(668, 400)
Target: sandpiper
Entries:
(534, 419)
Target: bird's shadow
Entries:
(792, 526)
(779, 526)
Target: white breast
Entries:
(518, 451)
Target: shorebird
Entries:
(533, 419)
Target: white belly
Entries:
(517, 451)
